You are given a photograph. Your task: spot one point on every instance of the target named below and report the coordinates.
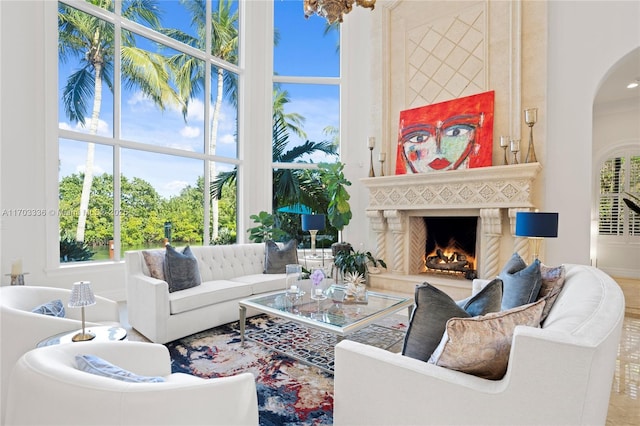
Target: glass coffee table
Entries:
(329, 311)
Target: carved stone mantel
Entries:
(484, 187)
(395, 201)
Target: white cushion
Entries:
(207, 293)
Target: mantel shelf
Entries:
(484, 187)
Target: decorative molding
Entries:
(481, 188)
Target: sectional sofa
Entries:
(560, 373)
(228, 273)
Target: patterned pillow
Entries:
(55, 308)
(432, 309)
(181, 269)
(276, 259)
(552, 283)
(521, 282)
(155, 263)
(481, 345)
(489, 299)
(98, 366)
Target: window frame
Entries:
(626, 151)
(51, 89)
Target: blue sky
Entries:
(142, 122)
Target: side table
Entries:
(102, 332)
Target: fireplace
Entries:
(450, 247)
(401, 206)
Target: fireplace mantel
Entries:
(484, 187)
(397, 204)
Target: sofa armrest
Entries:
(373, 386)
(148, 306)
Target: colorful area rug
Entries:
(290, 392)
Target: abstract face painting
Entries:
(451, 135)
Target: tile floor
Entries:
(624, 405)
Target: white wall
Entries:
(585, 40)
(616, 130)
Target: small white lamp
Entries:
(81, 296)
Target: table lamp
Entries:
(81, 296)
(536, 226)
(313, 223)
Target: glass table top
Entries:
(328, 309)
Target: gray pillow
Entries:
(487, 300)
(521, 282)
(55, 308)
(432, 309)
(181, 269)
(98, 366)
(276, 258)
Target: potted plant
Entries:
(266, 229)
(338, 208)
(356, 262)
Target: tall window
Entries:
(619, 192)
(306, 114)
(148, 96)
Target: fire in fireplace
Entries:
(451, 245)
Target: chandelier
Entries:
(333, 10)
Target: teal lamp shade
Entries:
(312, 222)
(537, 224)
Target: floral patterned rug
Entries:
(290, 392)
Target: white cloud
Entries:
(97, 170)
(174, 186)
(103, 127)
(190, 132)
(227, 139)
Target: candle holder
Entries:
(530, 118)
(371, 172)
(382, 158)
(17, 279)
(504, 144)
(515, 148)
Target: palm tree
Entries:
(91, 41)
(289, 186)
(190, 72)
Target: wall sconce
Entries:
(313, 223)
(536, 226)
(81, 296)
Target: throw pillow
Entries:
(431, 310)
(552, 283)
(98, 366)
(181, 269)
(55, 308)
(481, 345)
(521, 282)
(489, 299)
(276, 259)
(155, 263)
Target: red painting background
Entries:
(474, 104)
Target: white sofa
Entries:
(229, 273)
(22, 329)
(48, 389)
(559, 374)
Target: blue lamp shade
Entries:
(537, 224)
(312, 222)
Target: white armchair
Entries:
(66, 395)
(22, 329)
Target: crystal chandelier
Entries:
(333, 10)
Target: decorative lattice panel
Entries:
(446, 58)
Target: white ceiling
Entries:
(614, 87)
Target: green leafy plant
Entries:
(266, 229)
(74, 251)
(338, 209)
(356, 262)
